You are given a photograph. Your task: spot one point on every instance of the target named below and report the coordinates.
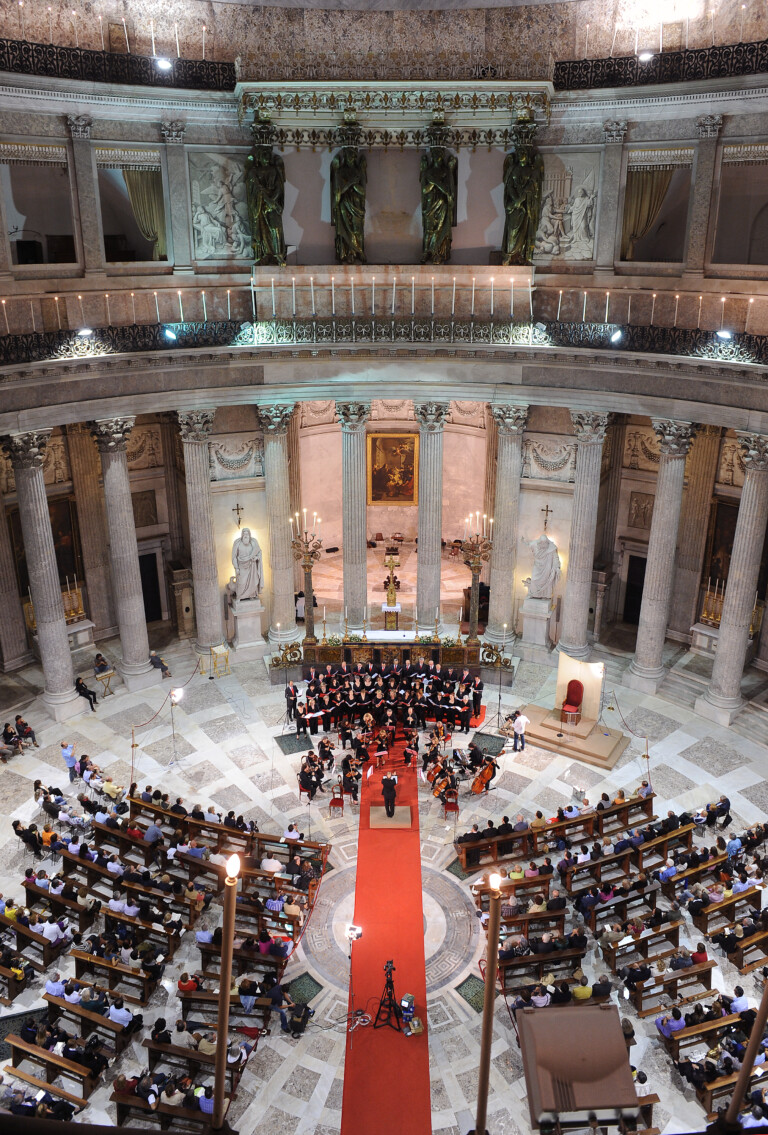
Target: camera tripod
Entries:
(388, 1012)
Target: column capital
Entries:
(590, 426)
(674, 437)
(353, 415)
(173, 132)
(709, 125)
(274, 419)
(79, 125)
(111, 434)
(614, 130)
(754, 450)
(26, 451)
(509, 419)
(195, 425)
(431, 415)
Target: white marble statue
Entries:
(246, 560)
(546, 567)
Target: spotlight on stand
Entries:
(645, 57)
(721, 334)
(177, 695)
(354, 933)
(84, 333)
(169, 334)
(616, 336)
(163, 64)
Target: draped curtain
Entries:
(645, 193)
(145, 193)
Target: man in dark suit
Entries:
(389, 792)
(291, 697)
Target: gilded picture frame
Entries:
(393, 468)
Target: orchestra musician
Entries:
(447, 783)
(325, 753)
(350, 767)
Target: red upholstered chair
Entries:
(571, 709)
(451, 803)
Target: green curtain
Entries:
(645, 193)
(145, 192)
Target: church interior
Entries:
(383, 566)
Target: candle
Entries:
(305, 519)
(133, 306)
(722, 311)
(413, 293)
(253, 300)
(176, 33)
(472, 313)
(698, 321)
(373, 296)
(293, 294)
(530, 298)
(333, 297)
(352, 288)
(312, 292)
(345, 613)
(584, 309)
(433, 295)
(741, 33)
(5, 313)
(21, 18)
(613, 41)
(607, 301)
(290, 521)
(677, 301)
(629, 308)
(504, 637)
(157, 307)
(181, 309)
(559, 303)
(205, 309)
(453, 298)
(637, 32)
(50, 28)
(58, 313)
(125, 32)
(653, 307)
(686, 33)
(586, 44)
(393, 298)
(32, 313)
(273, 298)
(152, 34)
(203, 41)
(491, 297)
(485, 524)
(661, 36)
(323, 612)
(749, 311)
(415, 614)
(461, 616)
(229, 309)
(437, 613)
(74, 23)
(712, 18)
(106, 303)
(490, 529)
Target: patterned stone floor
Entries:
(224, 751)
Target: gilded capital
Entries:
(510, 419)
(674, 437)
(27, 451)
(111, 434)
(195, 425)
(275, 419)
(431, 415)
(754, 450)
(353, 415)
(590, 426)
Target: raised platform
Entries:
(589, 742)
(401, 818)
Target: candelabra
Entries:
(306, 546)
(476, 551)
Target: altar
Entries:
(386, 647)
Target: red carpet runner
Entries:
(386, 1074)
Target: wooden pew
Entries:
(245, 961)
(60, 905)
(480, 890)
(626, 814)
(594, 869)
(230, 838)
(692, 875)
(522, 923)
(89, 963)
(54, 1066)
(707, 1033)
(165, 1115)
(723, 1086)
(190, 1059)
(88, 1022)
(184, 905)
(541, 963)
(268, 920)
(25, 936)
(758, 941)
(613, 952)
(204, 1002)
(168, 939)
(123, 843)
(661, 845)
(521, 845)
(13, 985)
(92, 874)
(669, 983)
(617, 908)
(726, 908)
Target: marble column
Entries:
(646, 669)
(489, 490)
(431, 418)
(274, 421)
(510, 424)
(708, 126)
(111, 437)
(610, 194)
(14, 648)
(353, 416)
(86, 204)
(294, 477)
(177, 224)
(168, 433)
(616, 438)
(27, 451)
(589, 428)
(92, 523)
(692, 532)
(722, 701)
(196, 428)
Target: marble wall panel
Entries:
(219, 210)
(568, 218)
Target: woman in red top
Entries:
(699, 954)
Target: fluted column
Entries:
(92, 524)
(431, 418)
(168, 428)
(723, 699)
(353, 416)
(294, 479)
(489, 489)
(196, 426)
(646, 669)
(692, 531)
(274, 422)
(14, 648)
(510, 424)
(27, 451)
(590, 430)
(111, 437)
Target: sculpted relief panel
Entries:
(235, 457)
(219, 207)
(145, 450)
(568, 208)
(731, 470)
(547, 459)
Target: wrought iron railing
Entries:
(52, 61)
(720, 62)
(416, 331)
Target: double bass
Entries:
(484, 777)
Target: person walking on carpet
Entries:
(389, 792)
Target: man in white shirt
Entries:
(114, 866)
(117, 904)
(119, 1014)
(270, 864)
(72, 994)
(55, 986)
(51, 931)
(131, 907)
(521, 721)
(290, 833)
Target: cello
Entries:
(483, 778)
(434, 772)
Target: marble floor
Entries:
(223, 750)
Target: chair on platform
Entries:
(571, 708)
(302, 790)
(451, 802)
(336, 800)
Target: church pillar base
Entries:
(64, 706)
(645, 679)
(723, 711)
(582, 651)
(136, 678)
(544, 655)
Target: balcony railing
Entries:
(717, 62)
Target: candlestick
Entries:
(677, 302)
(472, 313)
(5, 313)
(584, 309)
(74, 23)
(181, 309)
(559, 304)
(229, 310)
(607, 301)
(491, 297)
(413, 293)
(653, 307)
(133, 305)
(512, 299)
(433, 295)
(293, 294)
(273, 298)
(152, 34)
(746, 322)
(176, 34)
(530, 298)
(352, 293)
(58, 313)
(203, 41)
(333, 297)
(312, 292)
(205, 309)
(698, 321)
(586, 44)
(453, 298)
(373, 296)
(125, 32)
(106, 304)
(157, 307)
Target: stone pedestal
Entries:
(536, 644)
(247, 615)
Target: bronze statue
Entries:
(348, 178)
(439, 187)
(523, 177)
(265, 189)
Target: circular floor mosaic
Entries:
(450, 928)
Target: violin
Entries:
(483, 777)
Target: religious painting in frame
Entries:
(393, 468)
(66, 542)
